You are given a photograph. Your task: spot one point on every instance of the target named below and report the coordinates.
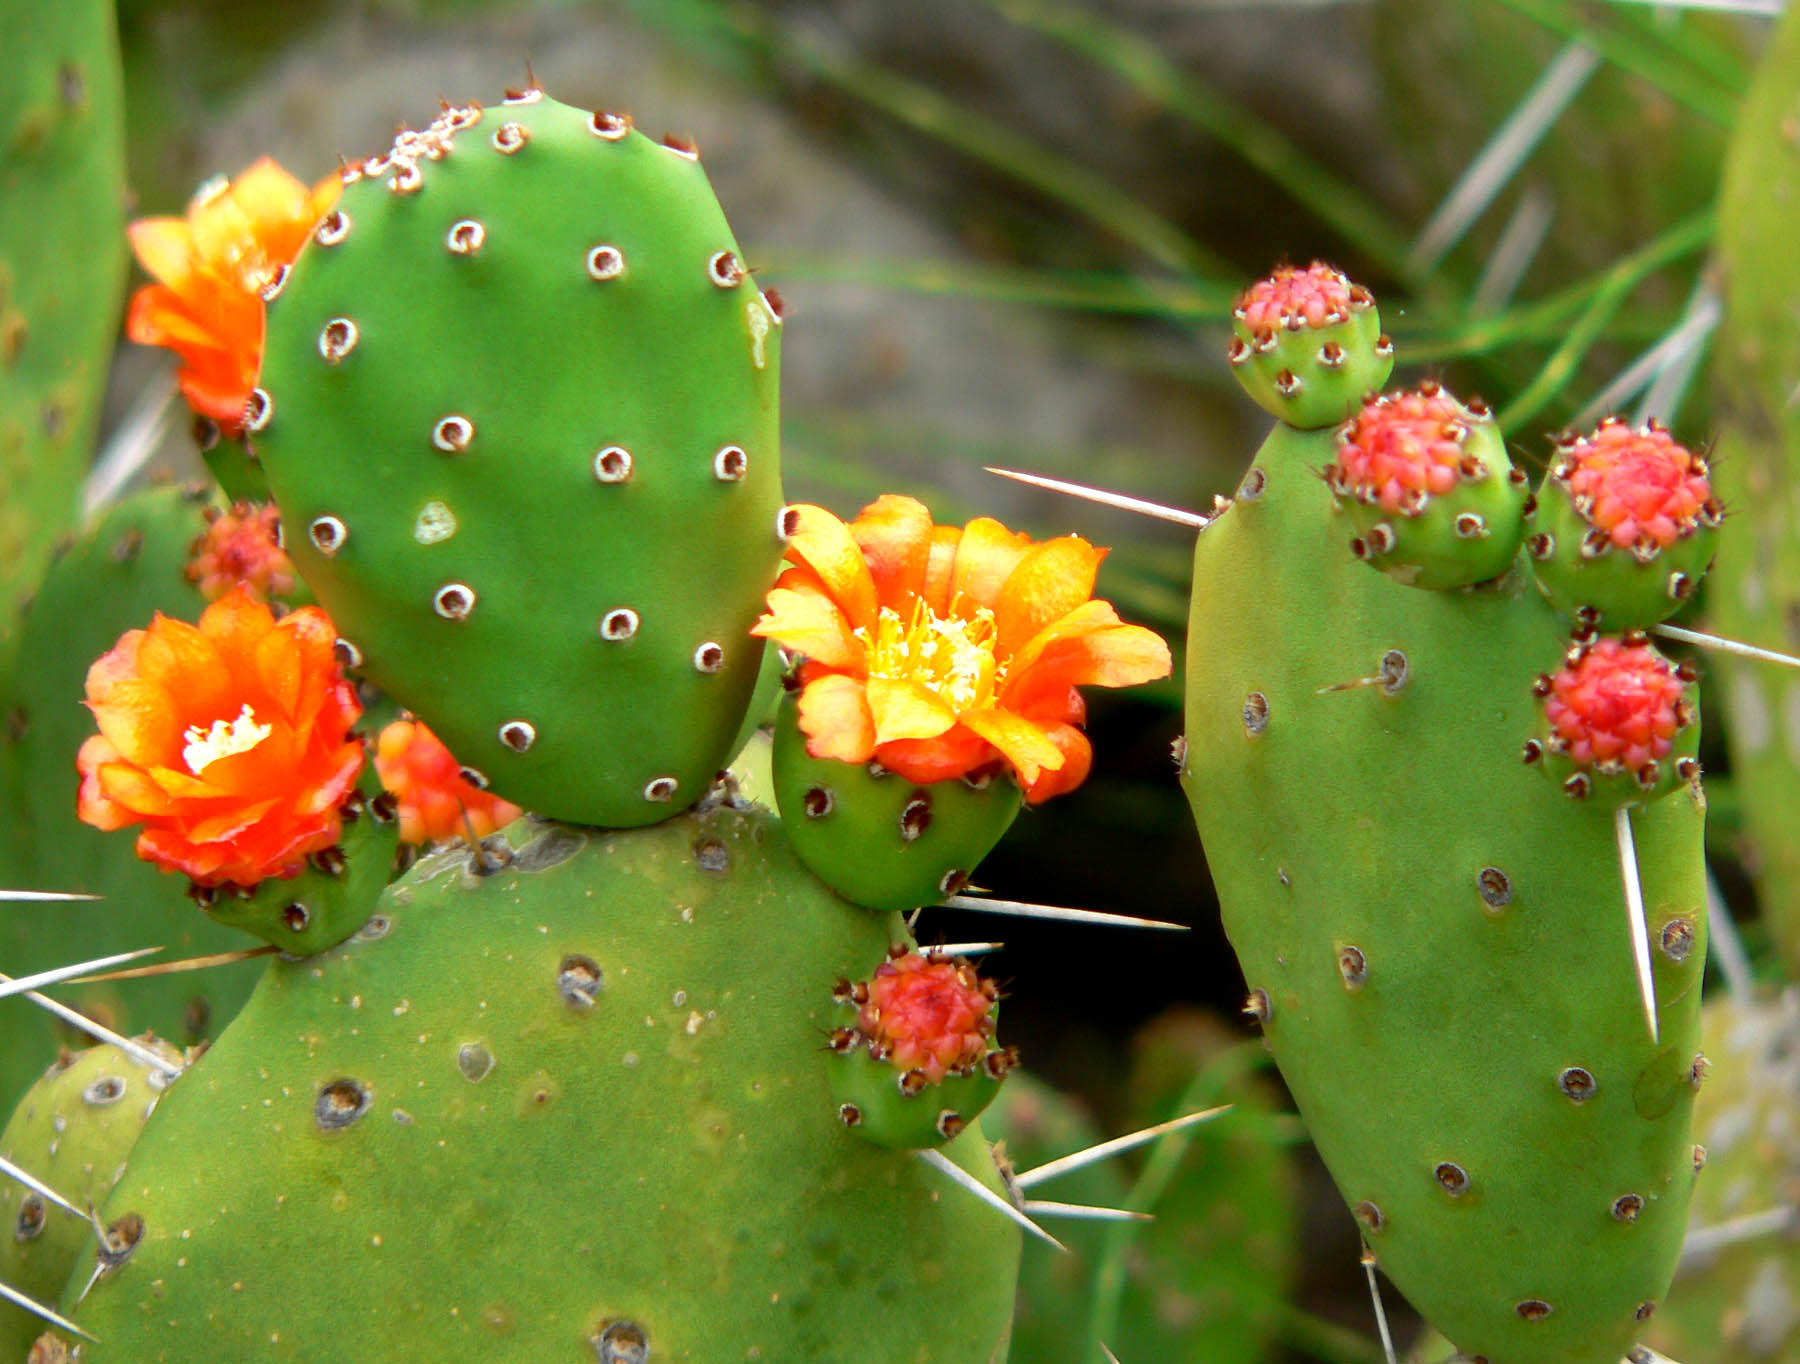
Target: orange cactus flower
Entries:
(938, 651)
(211, 268)
(435, 801)
(229, 742)
(242, 545)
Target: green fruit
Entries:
(1307, 345)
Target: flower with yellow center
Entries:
(938, 651)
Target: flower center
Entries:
(224, 739)
(952, 658)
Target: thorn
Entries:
(1634, 911)
(98, 1031)
(1381, 1321)
(1704, 1241)
(36, 1185)
(1123, 502)
(962, 949)
(10, 985)
(1724, 646)
(12, 1294)
(1111, 1358)
(1037, 1207)
(1024, 910)
(1107, 1149)
(941, 1162)
(43, 896)
(169, 968)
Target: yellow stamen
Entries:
(223, 740)
(951, 658)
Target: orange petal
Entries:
(1049, 582)
(835, 718)
(940, 569)
(140, 719)
(1124, 655)
(985, 558)
(905, 710)
(1027, 747)
(894, 534)
(127, 787)
(810, 623)
(824, 544)
(955, 753)
(92, 804)
(1078, 760)
(164, 247)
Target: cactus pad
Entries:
(518, 406)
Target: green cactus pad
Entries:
(1428, 487)
(542, 1109)
(1435, 938)
(878, 839)
(129, 566)
(72, 1130)
(519, 411)
(1625, 526)
(1307, 345)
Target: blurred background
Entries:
(1009, 232)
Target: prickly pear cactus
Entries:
(1434, 936)
(72, 1131)
(130, 565)
(564, 1102)
(62, 266)
(518, 407)
(1756, 368)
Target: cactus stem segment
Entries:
(1634, 912)
(1024, 910)
(1725, 646)
(942, 1163)
(38, 1309)
(1118, 1145)
(1122, 501)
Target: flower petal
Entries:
(824, 544)
(165, 248)
(835, 718)
(940, 569)
(1027, 747)
(1049, 582)
(807, 621)
(985, 557)
(894, 534)
(906, 710)
(1078, 760)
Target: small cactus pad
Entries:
(1622, 722)
(72, 1131)
(1427, 483)
(919, 1063)
(564, 1098)
(1626, 525)
(1307, 345)
(518, 407)
(241, 544)
(878, 839)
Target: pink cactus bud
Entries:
(1293, 298)
(1402, 449)
(1638, 485)
(1617, 703)
(926, 1013)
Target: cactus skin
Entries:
(1736, 1305)
(536, 483)
(1756, 364)
(129, 566)
(62, 266)
(878, 839)
(532, 1170)
(1434, 936)
(73, 1129)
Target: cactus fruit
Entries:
(62, 266)
(518, 407)
(126, 568)
(878, 839)
(1625, 526)
(1428, 486)
(917, 1063)
(564, 1100)
(72, 1131)
(1452, 1002)
(1307, 345)
(942, 656)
